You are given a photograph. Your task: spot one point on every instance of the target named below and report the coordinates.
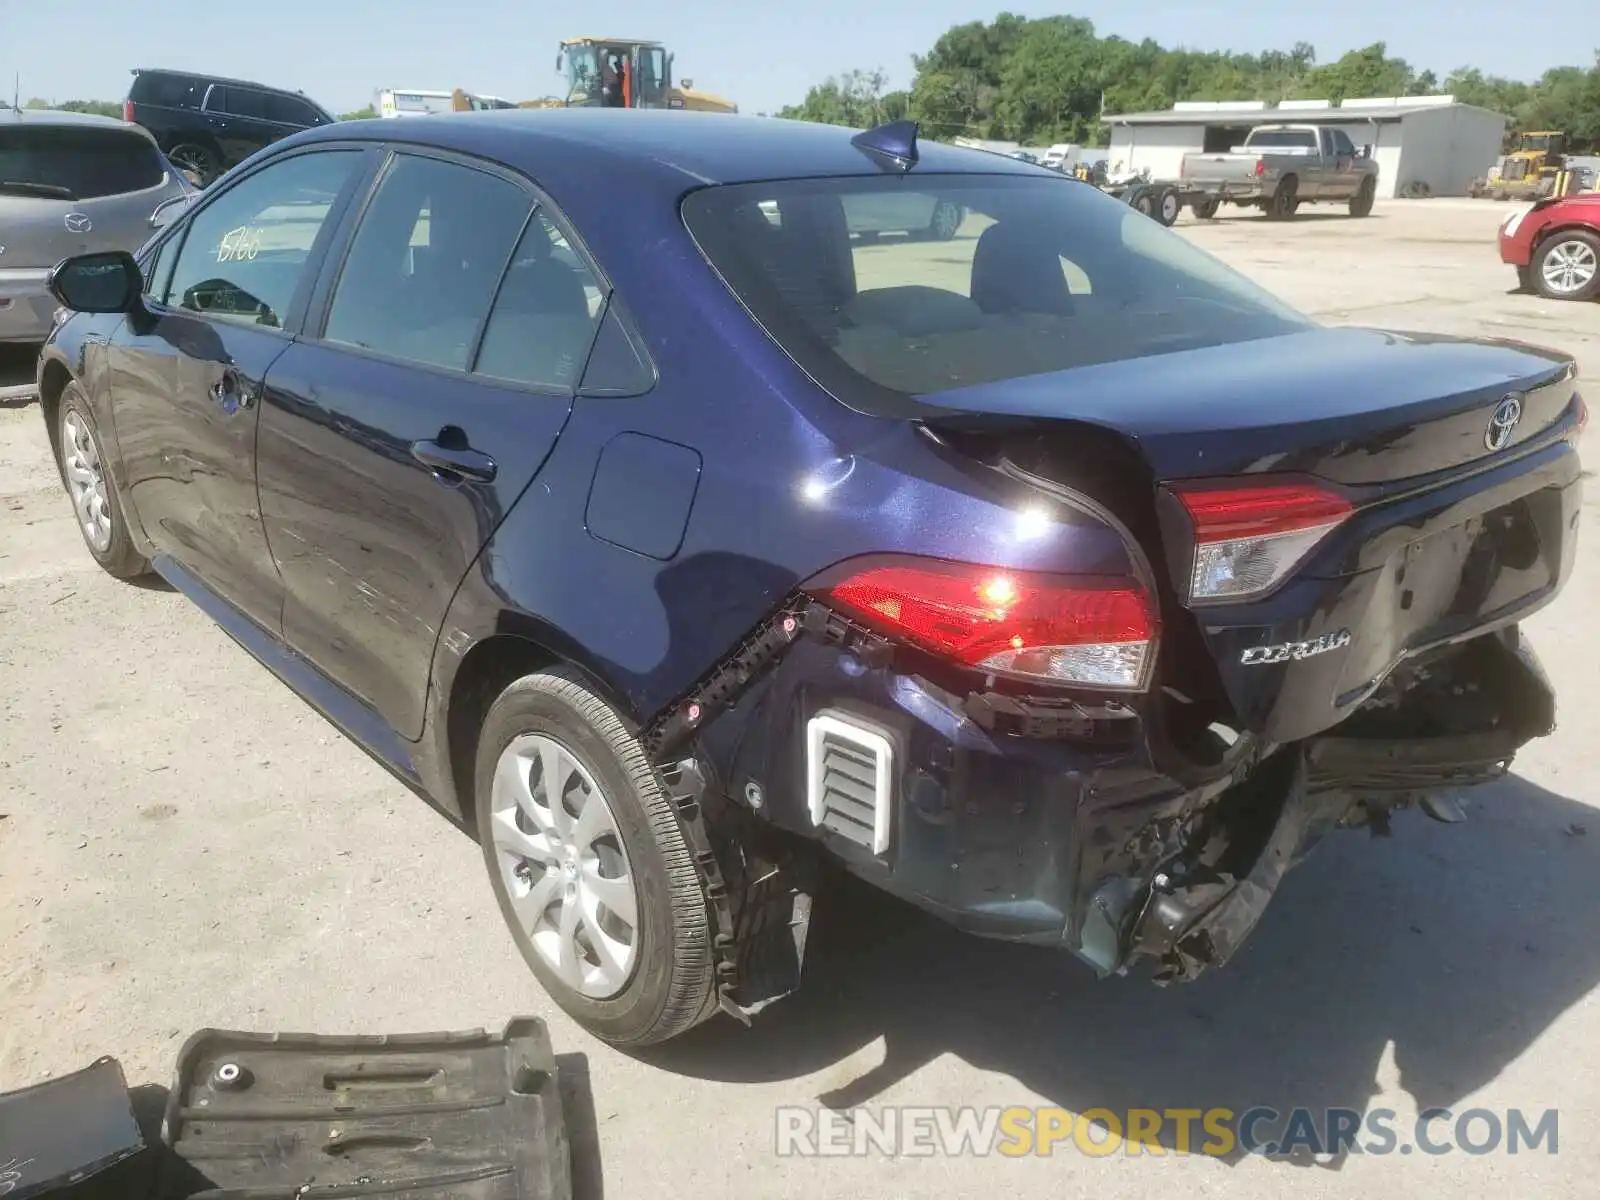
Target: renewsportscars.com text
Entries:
(1019, 1131)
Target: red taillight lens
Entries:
(1087, 631)
(1261, 167)
(1249, 537)
(127, 110)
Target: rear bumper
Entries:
(1066, 832)
(27, 309)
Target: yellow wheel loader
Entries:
(606, 72)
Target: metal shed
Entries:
(1434, 140)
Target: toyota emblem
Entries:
(1502, 421)
(78, 223)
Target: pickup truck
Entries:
(1280, 167)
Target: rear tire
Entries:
(1285, 200)
(201, 159)
(1144, 203)
(1361, 204)
(1566, 266)
(1168, 205)
(1206, 210)
(629, 983)
(96, 503)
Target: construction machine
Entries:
(603, 72)
(1533, 169)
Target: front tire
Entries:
(96, 505)
(589, 864)
(1361, 204)
(1567, 266)
(947, 218)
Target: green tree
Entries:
(1050, 79)
(359, 114)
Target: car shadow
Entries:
(1456, 946)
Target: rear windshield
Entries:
(1282, 139)
(168, 91)
(888, 289)
(76, 163)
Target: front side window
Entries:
(1342, 144)
(888, 288)
(425, 264)
(245, 255)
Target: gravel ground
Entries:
(184, 844)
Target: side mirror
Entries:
(688, 83)
(107, 282)
(168, 211)
(1366, 152)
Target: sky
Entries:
(339, 52)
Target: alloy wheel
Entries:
(86, 481)
(1569, 267)
(564, 865)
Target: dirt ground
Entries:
(184, 844)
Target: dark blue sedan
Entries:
(616, 481)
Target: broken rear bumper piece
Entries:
(1455, 722)
(1061, 826)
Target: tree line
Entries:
(1047, 80)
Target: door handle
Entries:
(230, 394)
(452, 465)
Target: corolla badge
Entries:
(78, 223)
(1294, 651)
(1502, 421)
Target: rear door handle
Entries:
(451, 465)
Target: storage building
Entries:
(1432, 140)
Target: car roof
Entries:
(61, 117)
(201, 76)
(669, 148)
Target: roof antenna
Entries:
(893, 146)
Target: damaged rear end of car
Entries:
(1282, 591)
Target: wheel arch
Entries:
(53, 380)
(519, 645)
(1551, 230)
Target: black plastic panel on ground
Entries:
(464, 1116)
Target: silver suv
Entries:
(71, 183)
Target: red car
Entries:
(1555, 245)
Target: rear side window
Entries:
(426, 262)
(167, 91)
(79, 162)
(544, 319)
(244, 255)
(887, 288)
(238, 102)
(290, 110)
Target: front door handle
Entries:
(452, 465)
(230, 393)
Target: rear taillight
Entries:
(1249, 537)
(1092, 632)
(127, 110)
(1261, 167)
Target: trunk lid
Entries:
(1354, 406)
(1460, 521)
